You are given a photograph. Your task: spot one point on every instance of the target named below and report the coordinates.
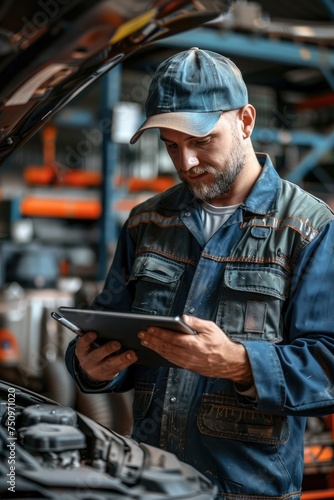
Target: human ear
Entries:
(247, 116)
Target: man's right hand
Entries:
(101, 363)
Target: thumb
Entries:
(197, 324)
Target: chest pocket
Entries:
(252, 302)
(156, 282)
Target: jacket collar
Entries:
(261, 200)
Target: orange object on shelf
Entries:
(317, 494)
(81, 178)
(52, 172)
(69, 209)
(324, 100)
(329, 421)
(9, 348)
(317, 454)
(33, 174)
(158, 184)
(44, 174)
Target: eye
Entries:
(172, 146)
(204, 141)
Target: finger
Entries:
(83, 344)
(166, 347)
(104, 351)
(109, 367)
(198, 324)
(84, 348)
(154, 336)
(119, 362)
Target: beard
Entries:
(223, 179)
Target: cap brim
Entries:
(196, 124)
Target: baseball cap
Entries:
(190, 90)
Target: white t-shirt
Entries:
(214, 217)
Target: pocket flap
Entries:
(158, 268)
(266, 281)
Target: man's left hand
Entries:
(210, 353)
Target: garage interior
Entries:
(66, 192)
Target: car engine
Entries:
(54, 452)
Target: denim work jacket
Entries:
(266, 278)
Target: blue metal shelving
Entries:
(255, 46)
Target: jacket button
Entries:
(173, 399)
(187, 214)
(191, 310)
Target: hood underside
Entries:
(51, 50)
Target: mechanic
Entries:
(247, 258)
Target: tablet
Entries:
(124, 327)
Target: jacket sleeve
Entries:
(116, 295)
(297, 376)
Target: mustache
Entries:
(198, 170)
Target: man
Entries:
(248, 259)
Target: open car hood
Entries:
(50, 50)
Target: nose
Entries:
(188, 159)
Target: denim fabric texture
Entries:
(266, 278)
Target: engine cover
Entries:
(51, 451)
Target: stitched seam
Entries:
(166, 254)
(249, 260)
(279, 225)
